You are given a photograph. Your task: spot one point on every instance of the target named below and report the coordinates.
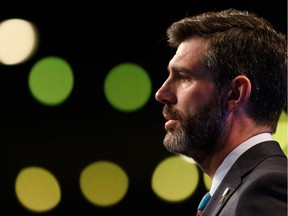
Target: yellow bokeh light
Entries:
(37, 189)
(104, 183)
(175, 179)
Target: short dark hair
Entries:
(240, 42)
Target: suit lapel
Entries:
(221, 195)
(233, 178)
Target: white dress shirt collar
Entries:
(233, 156)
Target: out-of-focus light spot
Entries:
(18, 41)
(104, 183)
(37, 189)
(188, 159)
(281, 134)
(51, 81)
(175, 179)
(207, 181)
(127, 87)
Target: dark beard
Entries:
(200, 134)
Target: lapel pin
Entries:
(224, 195)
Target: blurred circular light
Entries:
(104, 183)
(127, 87)
(18, 41)
(51, 81)
(175, 179)
(37, 189)
(281, 134)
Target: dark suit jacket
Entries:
(257, 184)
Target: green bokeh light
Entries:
(281, 134)
(51, 80)
(207, 181)
(127, 87)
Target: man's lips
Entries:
(171, 123)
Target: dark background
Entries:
(93, 37)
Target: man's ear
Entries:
(238, 92)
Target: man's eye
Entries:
(186, 78)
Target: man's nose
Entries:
(165, 94)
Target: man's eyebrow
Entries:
(179, 69)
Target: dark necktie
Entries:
(203, 203)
